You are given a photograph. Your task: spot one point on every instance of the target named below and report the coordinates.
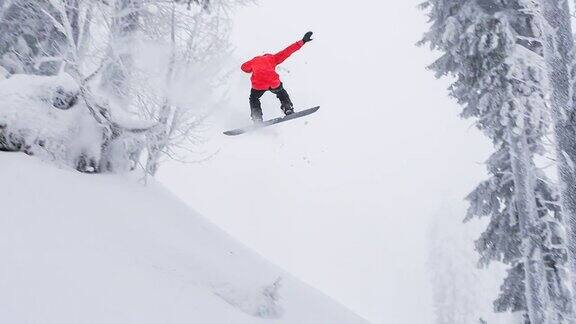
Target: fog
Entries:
(343, 199)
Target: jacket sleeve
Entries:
(247, 67)
(285, 53)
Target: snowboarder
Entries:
(264, 78)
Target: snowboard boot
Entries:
(285, 102)
(257, 120)
(287, 108)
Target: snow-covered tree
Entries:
(29, 43)
(124, 28)
(194, 45)
(486, 46)
(104, 45)
(553, 20)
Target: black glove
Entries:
(307, 37)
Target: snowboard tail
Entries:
(270, 122)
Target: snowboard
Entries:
(270, 122)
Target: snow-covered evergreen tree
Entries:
(486, 46)
(553, 20)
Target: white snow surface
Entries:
(26, 104)
(26, 109)
(105, 249)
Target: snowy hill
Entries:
(105, 249)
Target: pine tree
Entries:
(486, 47)
(553, 20)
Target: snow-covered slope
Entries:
(104, 249)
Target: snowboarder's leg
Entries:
(285, 102)
(255, 105)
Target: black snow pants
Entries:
(256, 106)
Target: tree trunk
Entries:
(537, 298)
(160, 138)
(558, 54)
(115, 75)
(73, 13)
(125, 25)
(83, 43)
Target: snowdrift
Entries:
(81, 248)
(46, 116)
(36, 115)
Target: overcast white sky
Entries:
(342, 199)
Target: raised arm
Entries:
(285, 53)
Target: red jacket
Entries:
(263, 68)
